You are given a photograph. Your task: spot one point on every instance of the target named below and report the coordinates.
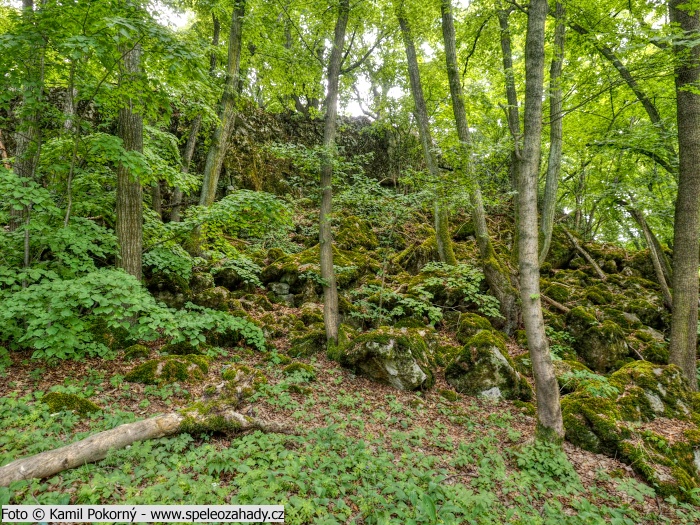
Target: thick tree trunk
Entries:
(129, 193)
(175, 212)
(227, 111)
(555, 133)
(325, 236)
(550, 425)
(496, 276)
(442, 232)
(97, 446)
(686, 228)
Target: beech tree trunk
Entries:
(227, 110)
(686, 228)
(129, 225)
(549, 419)
(555, 133)
(442, 232)
(325, 235)
(496, 275)
(194, 128)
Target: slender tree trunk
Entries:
(512, 111)
(175, 212)
(227, 111)
(496, 276)
(325, 236)
(28, 132)
(129, 193)
(686, 228)
(555, 133)
(658, 258)
(550, 425)
(442, 231)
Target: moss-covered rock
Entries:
(397, 357)
(483, 366)
(112, 337)
(598, 295)
(648, 313)
(557, 291)
(602, 347)
(355, 233)
(58, 401)
(469, 325)
(200, 281)
(299, 268)
(579, 320)
(311, 313)
(186, 368)
(183, 348)
(217, 298)
(136, 351)
(621, 424)
(560, 250)
(418, 254)
(308, 341)
(449, 395)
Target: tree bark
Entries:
(550, 425)
(496, 276)
(97, 446)
(442, 232)
(512, 111)
(227, 110)
(325, 235)
(175, 212)
(129, 225)
(28, 131)
(686, 228)
(555, 133)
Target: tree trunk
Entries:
(129, 194)
(512, 111)
(550, 425)
(658, 258)
(555, 133)
(28, 131)
(325, 235)
(442, 232)
(496, 276)
(175, 212)
(227, 110)
(686, 228)
(97, 446)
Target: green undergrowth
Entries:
(328, 477)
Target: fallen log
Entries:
(555, 304)
(97, 446)
(586, 256)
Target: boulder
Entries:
(469, 325)
(483, 366)
(217, 298)
(602, 347)
(647, 417)
(396, 357)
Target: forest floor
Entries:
(367, 453)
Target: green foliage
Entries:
(547, 463)
(376, 304)
(247, 270)
(463, 280)
(590, 382)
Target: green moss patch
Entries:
(397, 357)
(355, 233)
(484, 366)
(469, 325)
(58, 401)
(167, 369)
(136, 351)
